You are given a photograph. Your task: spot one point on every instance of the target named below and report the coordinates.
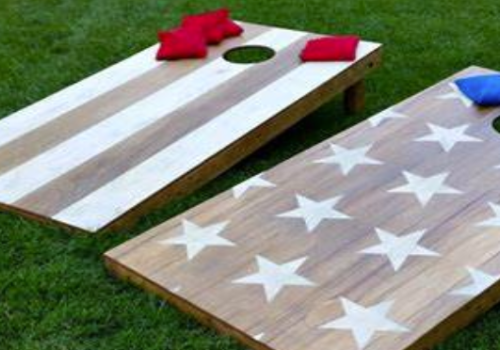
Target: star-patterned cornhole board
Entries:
(103, 151)
(386, 236)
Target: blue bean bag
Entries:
(484, 90)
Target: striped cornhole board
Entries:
(385, 237)
(141, 132)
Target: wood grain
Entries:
(50, 108)
(178, 158)
(70, 177)
(95, 140)
(354, 97)
(141, 146)
(416, 302)
(70, 123)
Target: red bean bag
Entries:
(215, 25)
(181, 43)
(335, 48)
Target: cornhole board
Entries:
(101, 152)
(386, 236)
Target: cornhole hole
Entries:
(105, 150)
(385, 236)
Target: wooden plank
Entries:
(132, 152)
(91, 142)
(96, 110)
(76, 95)
(177, 159)
(250, 142)
(153, 118)
(354, 97)
(383, 237)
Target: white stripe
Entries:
(120, 195)
(54, 106)
(47, 166)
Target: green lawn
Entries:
(54, 291)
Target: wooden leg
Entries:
(354, 97)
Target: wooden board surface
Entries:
(385, 237)
(142, 132)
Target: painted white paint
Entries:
(74, 96)
(259, 336)
(176, 289)
(256, 181)
(314, 212)
(480, 282)
(196, 238)
(387, 114)
(348, 159)
(494, 221)
(274, 277)
(425, 188)
(447, 137)
(456, 94)
(364, 322)
(111, 200)
(88, 144)
(399, 248)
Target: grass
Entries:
(54, 291)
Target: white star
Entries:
(347, 159)
(197, 238)
(256, 181)
(494, 221)
(456, 94)
(447, 138)
(365, 322)
(313, 213)
(480, 282)
(424, 188)
(259, 336)
(177, 289)
(398, 249)
(274, 277)
(379, 118)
